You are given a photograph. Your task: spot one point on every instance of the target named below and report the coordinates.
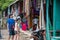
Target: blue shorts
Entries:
(11, 32)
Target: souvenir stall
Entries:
(34, 10)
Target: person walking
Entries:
(10, 27)
(24, 26)
(35, 21)
(16, 29)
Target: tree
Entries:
(5, 3)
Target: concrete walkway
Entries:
(23, 35)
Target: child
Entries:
(24, 26)
(16, 30)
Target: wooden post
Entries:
(43, 22)
(41, 16)
(40, 19)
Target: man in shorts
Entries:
(10, 26)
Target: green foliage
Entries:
(5, 3)
(0, 12)
(0, 4)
